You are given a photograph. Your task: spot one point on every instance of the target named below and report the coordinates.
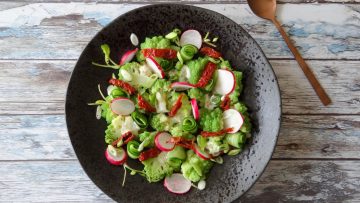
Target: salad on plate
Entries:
(173, 104)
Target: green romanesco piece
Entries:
(158, 42)
(157, 168)
(196, 68)
(211, 120)
(195, 168)
(234, 96)
(160, 122)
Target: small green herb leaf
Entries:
(106, 50)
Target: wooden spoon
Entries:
(266, 9)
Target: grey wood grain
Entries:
(283, 181)
(184, 1)
(41, 31)
(307, 181)
(37, 162)
(38, 137)
(341, 80)
(40, 86)
(34, 137)
(319, 137)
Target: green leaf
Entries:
(171, 35)
(106, 50)
(234, 152)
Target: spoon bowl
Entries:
(263, 8)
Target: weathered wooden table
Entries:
(317, 158)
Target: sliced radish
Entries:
(134, 39)
(122, 106)
(177, 183)
(202, 154)
(116, 156)
(181, 86)
(225, 82)
(232, 119)
(192, 37)
(155, 67)
(195, 109)
(163, 141)
(128, 56)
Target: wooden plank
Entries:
(42, 85)
(307, 181)
(184, 1)
(301, 137)
(319, 137)
(341, 80)
(41, 31)
(33, 82)
(47, 181)
(283, 181)
(35, 137)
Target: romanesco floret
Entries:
(157, 168)
(234, 96)
(158, 42)
(161, 85)
(196, 68)
(198, 94)
(211, 120)
(160, 122)
(106, 111)
(195, 168)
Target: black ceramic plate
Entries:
(226, 182)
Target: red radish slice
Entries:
(122, 106)
(195, 109)
(116, 156)
(128, 56)
(201, 153)
(181, 86)
(232, 119)
(225, 82)
(177, 183)
(155, 67)
(192, 37)
(163, 141)
(134, 39)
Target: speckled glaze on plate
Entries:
(227, 182)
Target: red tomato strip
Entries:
(162, 53)
(124, 85)
(151, 153)
(225, 104)
(144, 104)
(214, 134)
(206, 74)
(176, 106)
(189, 144)
(210, 52)
(128, 136)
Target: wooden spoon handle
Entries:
(307, 71)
